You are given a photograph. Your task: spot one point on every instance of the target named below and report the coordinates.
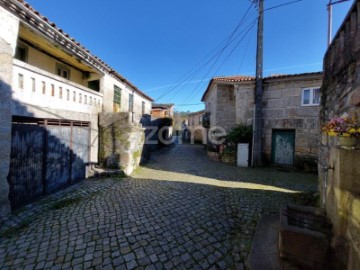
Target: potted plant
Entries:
(345, 128)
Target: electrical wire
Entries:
(245, 31)
(193, 93)
(284, 4)
(216, 53)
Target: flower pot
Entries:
(348, 141)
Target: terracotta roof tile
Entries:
(241, 78)
(27, 6)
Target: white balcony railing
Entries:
(37, 87)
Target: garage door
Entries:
(46, 155)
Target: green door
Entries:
(283, 147)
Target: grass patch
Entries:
(65, 203)
(15, 230)
(119, 175)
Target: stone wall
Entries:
(211, 104)
(282, 110)
(8, 35)
(245, 103)
(225, 109)
(121, 142)
(338, 166)
(197, 131)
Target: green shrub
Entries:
(240, 134)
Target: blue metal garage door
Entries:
(46, 155)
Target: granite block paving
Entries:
(180, 211)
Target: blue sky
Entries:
(171, 49)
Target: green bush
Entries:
(240, 134)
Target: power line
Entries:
(281, 5)
(194, 104)
(246, 30)
(216, 54)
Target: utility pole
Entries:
(257, 126)
(329, 7)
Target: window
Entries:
(131, 102)
(310, 96)
(94, 85)
(33, 84)
(52, 90)
(90, 101)
(67, 94)
(117, 99)
(21, 81)
(74, 96)
(43, 87)
(80, 98)
(21, 52)
(62, 71)
(85, 99)
(60, 92)
(143, 107)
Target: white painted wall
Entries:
(107, 88)
(45, 62)
(9, 28)
(27, 102)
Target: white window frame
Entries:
(60, 68)
(311, 101)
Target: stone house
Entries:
(197, 131)
(52, 93)
(290, 113)
(162, 110)
(339, 171)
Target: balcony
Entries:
(206, 120)
(34, 86)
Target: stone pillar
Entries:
(6, 59)
(8, 37)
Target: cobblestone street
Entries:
(181, 211)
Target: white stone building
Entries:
(52, 91)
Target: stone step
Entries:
(264, 253)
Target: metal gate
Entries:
(283, 147)
(46, 155)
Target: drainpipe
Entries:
(326, 172)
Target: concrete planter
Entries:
(303, 236)
(348, 141)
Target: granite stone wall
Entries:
(282, 110)
(8, 35)
(225, 110)
(339, 172)
(121, 142)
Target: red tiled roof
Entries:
(234, 78)
(162, 105)
(29, 14)
(241, 78)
